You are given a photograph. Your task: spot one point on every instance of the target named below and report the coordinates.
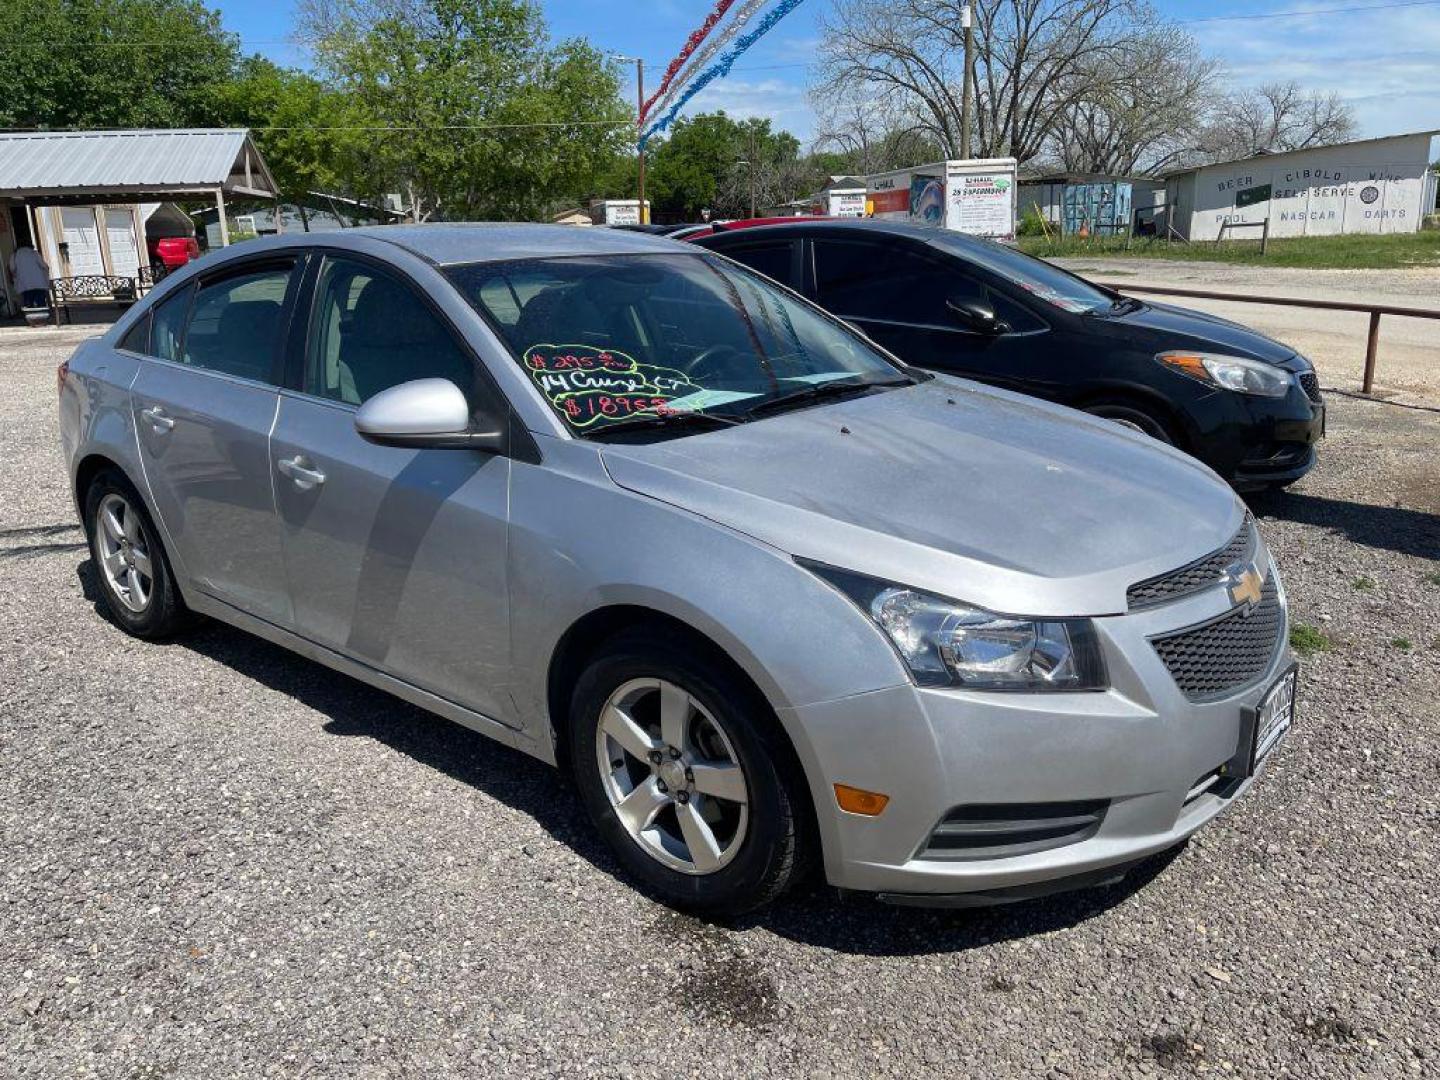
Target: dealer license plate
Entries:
(1273, 716)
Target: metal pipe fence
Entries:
(1372, 342)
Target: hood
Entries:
(1177, 327)
(984, 496)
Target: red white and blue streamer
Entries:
(720, 69)
(691, 44)
(743, 15)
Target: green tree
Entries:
(710, 162)
(471, 112)
(111, 63)
(300, 124)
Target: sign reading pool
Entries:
(590, 386)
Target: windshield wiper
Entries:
(819, 391)
(676, 419)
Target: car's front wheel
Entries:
(136, 585)
(686, 776)
(1135, 418)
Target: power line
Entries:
(1310, 11)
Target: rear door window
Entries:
(236, 323)
(167, 325)
(892, 283)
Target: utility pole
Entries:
(753, 161)
(640, 98)
(967, 95)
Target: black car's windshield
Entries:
(1035, 276)
(610, 338)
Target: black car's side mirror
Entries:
(977, 315)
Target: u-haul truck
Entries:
(975, 196)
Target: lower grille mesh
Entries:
(1227, 653)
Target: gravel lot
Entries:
(217, 860)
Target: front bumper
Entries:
(1140, 749)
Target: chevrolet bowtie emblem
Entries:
(1245, 585)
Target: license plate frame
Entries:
(1264, 727)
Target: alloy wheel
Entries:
(672, 776)
(125, 558)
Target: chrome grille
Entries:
(1194, 577)
(1216, 658)
(1310, 383)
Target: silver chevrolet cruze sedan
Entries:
(772, 597)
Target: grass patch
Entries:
(1356, 252)
(1433, 579)
(1402, 643)
(1307, 640)
(1363, 583)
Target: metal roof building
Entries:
(71, 166)
(1381, 185)
(83, 197)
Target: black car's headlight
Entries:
(947, 643)
(1237, 373)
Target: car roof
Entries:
(450, 244)
(470, 242)
(926, 234)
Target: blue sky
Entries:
(1386, 63)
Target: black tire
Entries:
(1134, 416)
(775, 848)
(163, 613)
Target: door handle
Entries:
(300, 470)
(157, 418)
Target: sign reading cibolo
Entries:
(588, 385)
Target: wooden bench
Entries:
(68, 292)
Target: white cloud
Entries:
(1383, 63)
(782, 102)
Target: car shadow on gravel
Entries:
(1390, 528)
(813, 914)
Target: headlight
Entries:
(1230, 372)
(945, 643)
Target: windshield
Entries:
(611, 338)
(1035, 276)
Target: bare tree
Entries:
(872, 134)
(1274, 117)
(1035, 61)
(1147, 116)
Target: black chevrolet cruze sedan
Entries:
(1247, 406)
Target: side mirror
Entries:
(425, 413)
(977, 315)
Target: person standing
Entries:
(31, 276)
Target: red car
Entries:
(172, 251)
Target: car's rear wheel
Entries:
(136, 584)
(685, 775)
(1135, 418)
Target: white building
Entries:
(1369, 186)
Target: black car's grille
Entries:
(1196, 576)
(1310, 383)
(1004, 830)
(1218, 657)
